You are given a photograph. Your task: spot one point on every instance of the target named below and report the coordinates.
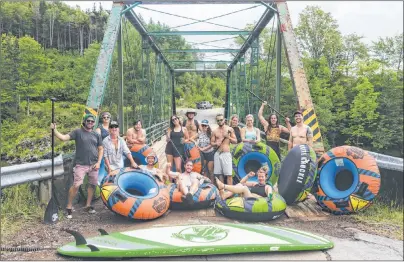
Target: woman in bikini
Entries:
(273, 129)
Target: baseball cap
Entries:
(297, 112)
(113, 124)
(204, 122)
(87, 116)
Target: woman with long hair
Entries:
(273, 129)
(176, 136)
(249, 133)
(206, 148)
(236, 128)
(103, 128)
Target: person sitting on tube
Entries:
(248, 189)
(151, 161)
(187, 182)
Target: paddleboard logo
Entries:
(159, 205)
(202, 234)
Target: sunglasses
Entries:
(204, 125)
(90, 121)
(113, 126)
(106, 117)
(174, 119)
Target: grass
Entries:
(19, 206)
(384, 217)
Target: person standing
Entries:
(176, 136)
(236, 128)
(104, 126)
(191, 124)
(89, 153)
(206, 148)
(114, 149)
(221, 138)
(249, 133)
(300, 134)
(273, 129)
(136, 135)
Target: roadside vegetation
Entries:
(383, 218)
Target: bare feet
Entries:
(220, 186)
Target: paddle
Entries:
(267, 104)
(51, 212)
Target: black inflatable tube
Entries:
(294, 173)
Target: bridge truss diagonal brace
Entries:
(104, 61)
(298, 76)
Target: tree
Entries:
(318, 35)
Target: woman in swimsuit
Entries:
(177, 135)
(273, 129)
(249, 133)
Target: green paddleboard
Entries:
(207, 239)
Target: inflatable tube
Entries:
(252, 209)
(192, 152)
(135, 194)
(203, 198)
(139, 154)
(250, 157)
(298, 173)
(348, 180)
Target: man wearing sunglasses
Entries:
(89, 152)
(114, 148)
(221, 139)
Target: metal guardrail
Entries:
(156, 131)
(383, 161)
(388, 162)
(30, 172)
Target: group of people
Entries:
(104, 142)
(215, 148)
(93, 145)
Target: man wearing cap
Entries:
(300, 133)
(89, 152)
(136, 135)
(114, 148)
(191, 124)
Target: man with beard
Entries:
(191, 124)
(300, 134)
(136, 135)
(114, 148)
(221, 139)
(187, 182)
(89, 153)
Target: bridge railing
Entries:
(156, 131)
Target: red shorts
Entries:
(79, 173)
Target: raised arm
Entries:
(264, 123)
(170, 173)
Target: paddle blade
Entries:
(51, 213)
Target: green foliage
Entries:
(18, 206)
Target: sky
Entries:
(370, 19)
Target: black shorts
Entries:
(170, 150)
(208, 156)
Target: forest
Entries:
(50, 49)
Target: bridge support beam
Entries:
(278, 68)
(120, 80)
(103, 66)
